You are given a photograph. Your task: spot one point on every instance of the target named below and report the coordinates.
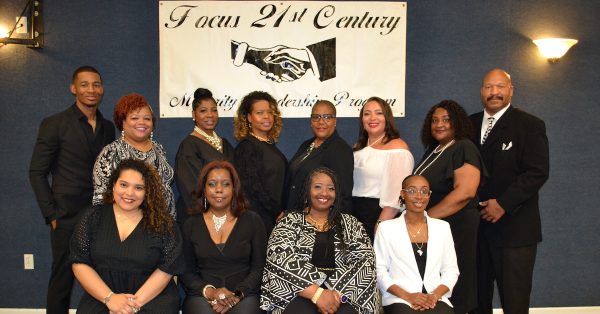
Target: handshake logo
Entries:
(286, 64)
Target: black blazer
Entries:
(335, 154)
(516, 156)
(64, 152)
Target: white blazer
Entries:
(396, 263)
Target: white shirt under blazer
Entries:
(396, 263)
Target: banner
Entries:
(298, 51)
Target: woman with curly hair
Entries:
(135, 119)
(319, 260)
(261, 165)
(125, 252)
(224, 246)
(381, 161)
(454, 168)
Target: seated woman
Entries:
(125, 251)
(319, 260)
(224, 246)
(416, 262)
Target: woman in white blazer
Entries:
(415, 257)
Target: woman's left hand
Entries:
(225, 300)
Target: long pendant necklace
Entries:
(219, 221)
(419, 251)
(214, 140)
(437, 150)
(414, 236)
(308, 151)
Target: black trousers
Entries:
(60, 285)
(512, 269)
(367, 211)
(300, 305)
(401, 308)
(199, 305)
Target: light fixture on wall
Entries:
(554, 48)
(35, 37)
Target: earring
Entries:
(123, 134)
(205, 203)
(152, 136)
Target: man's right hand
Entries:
(53, 224)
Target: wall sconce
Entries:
(554, 48)
(34, 33)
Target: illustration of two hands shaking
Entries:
(286, 64)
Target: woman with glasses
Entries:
(381, 161)
(415, 257)
(325, 149)
(453, 167)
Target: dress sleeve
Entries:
(285, 274)
(103, 167)
(466, 152)
(83, 236)
(191, 280)
(397, 166)
(356, 277)
(44, 154)
(251, 284)
(166, 174)
(171, 261)
(188, 164)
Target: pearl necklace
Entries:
(214, 140)
(262, 139)
(436, 150)
(376, 141)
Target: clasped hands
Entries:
(222, 299)
(329, 302)
(491, 211)
(123, 303)
(422, 301)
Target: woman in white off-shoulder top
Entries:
(381, 161)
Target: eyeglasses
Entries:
(317, 117)
(425, 192)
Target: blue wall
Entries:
(450, 45)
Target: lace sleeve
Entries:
(83, 236)
(172, 261)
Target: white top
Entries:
(396, 263)
(378, 173)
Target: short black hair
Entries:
(85, 68)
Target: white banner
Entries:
(298, 51)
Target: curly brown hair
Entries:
(239, 203)
(459, 120)
(128, 104)
(154, 207)
(241, 125)
(391, 131)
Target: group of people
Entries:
(336, 229)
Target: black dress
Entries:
(237, 265)
(262, 169)
(464, 223)
(125, 265)
(335, 154)
(192, 155)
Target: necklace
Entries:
(219, 221)
(436, 150)
(376, 141)
(262, 139)
(414, 236)
(308, 151)
(321, 227)
(214, 140)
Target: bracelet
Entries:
(317, 295)
(107, 298)
(239, 294)
(204, 290)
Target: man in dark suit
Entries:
(65, 150)
(514, 148)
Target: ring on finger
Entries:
(222, 296)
